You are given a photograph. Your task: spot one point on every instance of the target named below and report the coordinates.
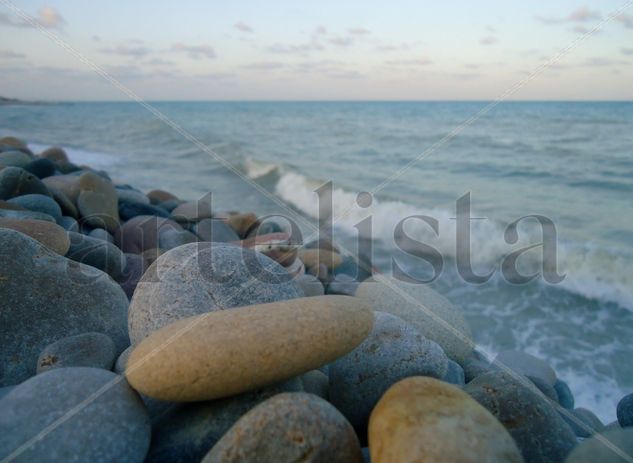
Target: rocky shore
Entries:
(145, 327)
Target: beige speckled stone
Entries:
(223, 353)
(242, 223)
(49, 234)
(421, 419)
(313, 257)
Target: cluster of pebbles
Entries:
(141, 327)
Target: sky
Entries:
(326, 50)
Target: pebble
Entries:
(45, 297)
(143, 232)
(215, 230)
(604, 448)
(289, 427)
(128, 210)
(97, 253)
(192, 211)
(135, 266)
(65, 184)
(625, 411)
(537, 428)
(186, 432)
(121, 361)
(277, 246)
(97, 202)
(170, 239)
(114, 427)
(342, 284)
(14, 159)
(583, 422)
(13, 142)
(265, 228)
(422, 419)
(39, 203)
(394, 350)
(101, 234)
(310, 285)
(129, 194)
(454, 374)
(95, 350)
(203, 277)
(55, 154)
(231, 351)
(41, 168)
(67, 206)
(456, 342)
(49, 234)
(15, 181)
(312, 258)
(69, 224)
(242, 223)
(160, 196)
(316, 382)
(527, 365)
(564, 394)
(24, 215)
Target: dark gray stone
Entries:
(606, 448)
(41, 168)
(316, 382)
(4, 391)
(94, 350)
(15, 181)
(201, 277)
(21, 215)
(310, 285)
(135, 267)
(547, 390)
(128, 210)
(113, 427)
(121, 361)
(185, 432)
(97, 253)
(101, 234)
(474, 367)
(538, 430)
(625, 411)
(342, 284)
(215, 230)
(289, 427)
(171, 239)
(528, 365)
(39, 203)
(14, 158)
(454, 374)
(564, 394)
(45, 297)
(69, 224)
(583, 422)
(394, 350)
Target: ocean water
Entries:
(569, 162)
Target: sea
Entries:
(568, 162)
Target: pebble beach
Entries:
(139, 326)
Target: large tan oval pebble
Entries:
(421, 419)
(223, 353)
(49, 234)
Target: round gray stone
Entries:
(538, 430)
(527, 365)
(564, 394)
(15, 181)
(394, 350)
(454, 374)
(310, 285)
(625, 411)
(583, 422)
(215, 230)
(39, 203)
(316, 382)
(605, 448)
(97, 253)
(45, 297)
(289, 427)
(202, 277)
(112, 427)
(94, 350)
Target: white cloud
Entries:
(581, 15)
(488, 40)
(410, 62)
(47, 17)
(264, 65)
(627, 51)
(240, 26)
(341, 41)
(8, 54)
(626, 20)
(358, 31)
(195, 51)
(135, 51)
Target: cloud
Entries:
(264, 66)
(600, 62)
(626, 20)
(342, 41)
(488, 40)
(216, 76)
(134, 51)
(627, 51)
(159, 62)
(240, 26)
(47, 17)
(303, 48)
(345, 74)
(466, 75)
(358, 31)
(580, 29)
(320, 30)
(580, 15)
(491, 30)
(195, 51)
(8, 54)
(410, 62)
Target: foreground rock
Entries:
(614, 446)
(426, 420)
(45, 297)
(112, 427)
(539, 431)
(94, 350)
(186, 432)
(223, 353)
(432, 314)
(203, 277)
(394, 350)
(289, 427)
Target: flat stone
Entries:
(604, 448)
(537, 428)
(39, 203)
(112, 426)
(45, 297)
(128, 194)
(49, 234)
(129, 210)
(423, 419)
(289, 427)
(527, 365)
(432, 314)
(185, 432)
(394, 350)
(97, 202)
(66, 184)
(203, 277)
(625, 411)
(94, 350)
(170, 239)
(97, 253)
(121, 361)
(192, 211)
(69, 224)
(14, 159)
(24, 215)
(101, 234)
(15, 181)
(215, 230)
(231, 351)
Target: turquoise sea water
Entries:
(571, 162)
